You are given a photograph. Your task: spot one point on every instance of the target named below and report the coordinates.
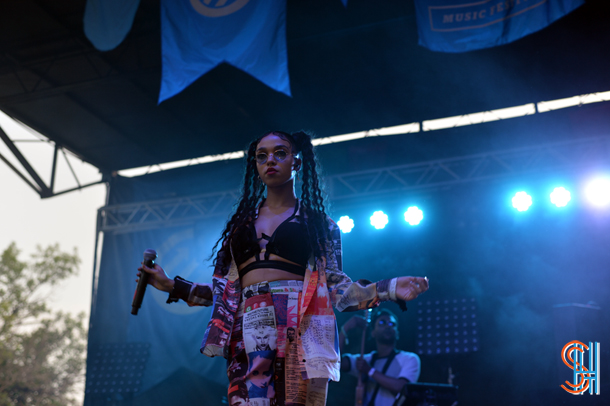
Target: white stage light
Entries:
(379, 220)
(345, 224)
(522, 201)
(414, 215)
(560, 197)
(598, 192)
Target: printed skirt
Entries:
(263, 366)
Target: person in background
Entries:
(385, 370)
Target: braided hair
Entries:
(312, 199)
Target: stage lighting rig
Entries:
(414, 215)
(560, 197)
(345, 224)
(522, 201)
(447, 326)
(379, 220)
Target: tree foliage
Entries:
(42, 352)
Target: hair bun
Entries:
(301, 139)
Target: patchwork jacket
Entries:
(325, 286)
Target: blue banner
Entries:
(107, 22)
(459, 26)
(172, 332)
(197, 35)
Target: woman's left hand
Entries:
(409, 287)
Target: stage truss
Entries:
(381, 182)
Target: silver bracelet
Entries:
(388, 290)
(392, 289)
(371, 372)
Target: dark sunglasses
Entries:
(383, 323)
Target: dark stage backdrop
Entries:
(168, 368)
(471, 244)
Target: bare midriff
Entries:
(268, 274)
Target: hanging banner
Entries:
(197, 35)
(107, 22)
(460, 26)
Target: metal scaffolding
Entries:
(470, 168)
(166, 212)
(37, 183)
(535, 160)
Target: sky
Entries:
(68, 219)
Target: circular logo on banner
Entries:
(220, 7)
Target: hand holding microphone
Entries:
(150, 273)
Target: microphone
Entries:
(149, 260)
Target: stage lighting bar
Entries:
(477, 118)
(426, 125)
(145, 170)
(447, 326)
(377, 132)
(551, 105)
(378, 183)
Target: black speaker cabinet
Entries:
(427, 394)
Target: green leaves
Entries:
(42, 353)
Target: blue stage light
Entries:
(560, 196)
(345, 224)
(598, 192)
(414, 215)
(522, 201)
(379, 220)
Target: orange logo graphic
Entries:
(585, 378)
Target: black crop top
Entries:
(289, 241)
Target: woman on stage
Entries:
(277, 276)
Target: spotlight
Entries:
(560, 197)
(379, 220)
(414, 215)
(345, 224)
(522, 201)
(598, 192)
